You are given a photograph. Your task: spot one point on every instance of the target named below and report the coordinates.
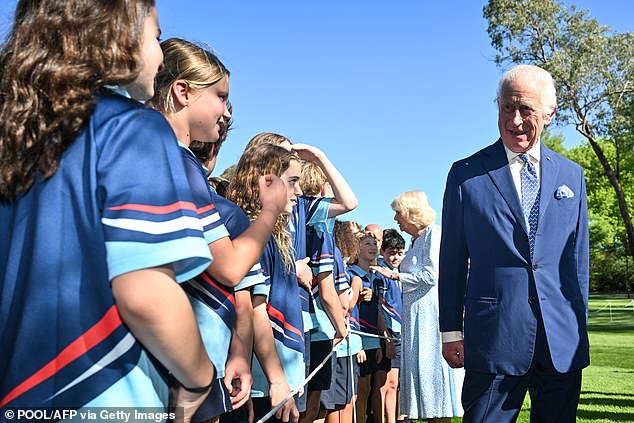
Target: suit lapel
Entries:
(550, 170)
(497, 165)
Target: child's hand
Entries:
(366, 294)
(361, 357)
(273, 195)
(308, 152)
(238, 378)
(288, 412)
(304, 274)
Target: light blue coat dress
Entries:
(429, 387)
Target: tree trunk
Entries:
(586, 131)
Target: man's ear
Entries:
(549, 117)
(181, 93)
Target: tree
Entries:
(594, 68)
(609, 265)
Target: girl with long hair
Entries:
(277, 308)
(192, 90)
(91, 313)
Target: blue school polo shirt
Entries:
(368, 311)
(213, 303)
(392, 304)
(119, 202)
(285, 314)
(321, 250)
(307, 211)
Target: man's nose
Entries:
(517, 118)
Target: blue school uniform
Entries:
(118, 203)
(307, 211)
(213, 303)
(392, 304)
(368, 311)
(285, 314)
(321, 250)
(236, 222)
(352, 343)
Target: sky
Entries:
(393, 93)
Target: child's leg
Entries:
(379, 389)
(362, 398)
(312, 407)
(391, 396)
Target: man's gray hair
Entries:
(532, 73)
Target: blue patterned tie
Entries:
(530, 197)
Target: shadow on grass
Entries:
(605, 415)
(616, 401)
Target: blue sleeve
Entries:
(149, 217)
(213, 226)
(454, 256)
(267, 263)
(317, 212)
(320, 249)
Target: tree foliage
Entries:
(610, 267)
(594, 69)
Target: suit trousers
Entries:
(498, 398)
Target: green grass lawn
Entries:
(607, 393)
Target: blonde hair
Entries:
(312, 179)
(415, 208)
(267, 138)
(184, 60)
(244, 190)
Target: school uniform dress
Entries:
(118, 203)
(429, 387)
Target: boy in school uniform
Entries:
(327, 315)
(386, 378)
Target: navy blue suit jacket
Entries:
(483, 223)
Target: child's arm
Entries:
(344, 199)
(158, 313)
(264, 347)
(238, 366)
(332, 305)
(382, 326)
(355, 285)
(344, 300)
(232, 259)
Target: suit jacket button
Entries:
(535, 266)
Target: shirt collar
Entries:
(534, 152)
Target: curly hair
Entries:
(244, 191)
(59, 54)
(360, 236)
(345, 238)
(267, 138)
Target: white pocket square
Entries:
(564, 192)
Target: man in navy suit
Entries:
(514, 264)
